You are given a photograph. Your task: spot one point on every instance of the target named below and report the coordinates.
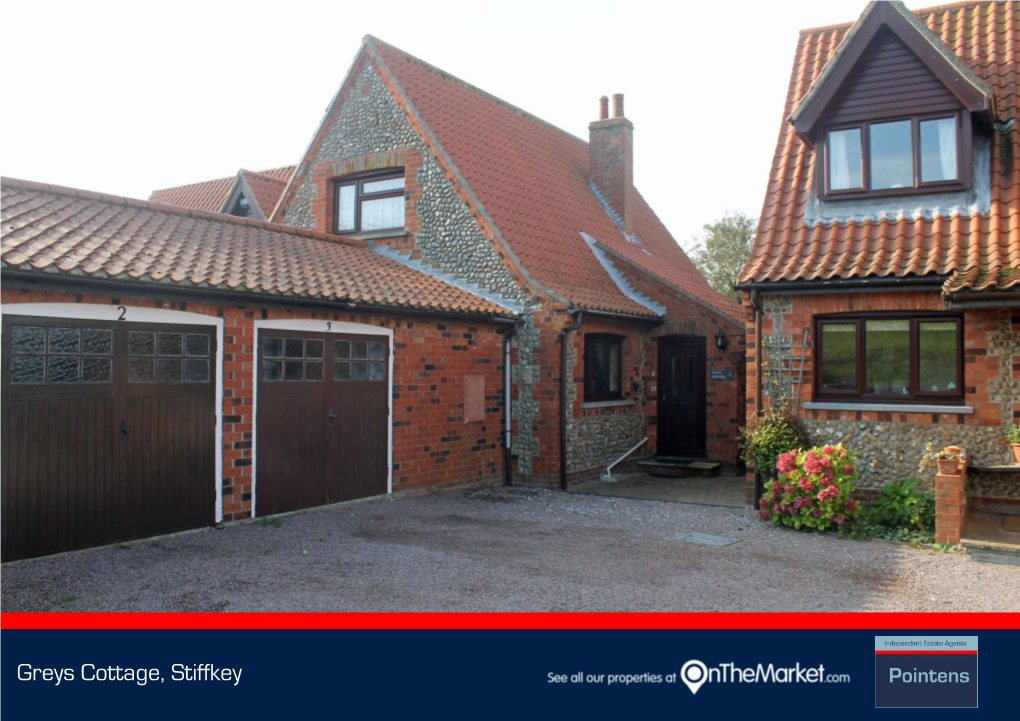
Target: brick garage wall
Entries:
(432, 448)
(890, 445)
(725, 398)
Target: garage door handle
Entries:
(124, 430)
(332, 415)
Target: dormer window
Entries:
(894, 157)
(370, 203)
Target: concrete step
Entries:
(1002, 556)
(669, 467)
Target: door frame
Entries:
(701, 342)
(135, 314)
(325, 327)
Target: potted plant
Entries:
(949, 460)
(1014, 441)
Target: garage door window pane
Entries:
(62, 370)
(887, 357)
(196, 345)
(293, 371)
(273, 348)
(95, 341)
(313, 348)
(294, 348)
(168, 370)
(342, 349)
(376, 351)
(938, 356)
(28, 370)
(96, 370)
(376, 372)
(65, 341)
(342, 371)
(141, 370)
(196, 370)
(839, 359)
(27, 340)
(141, 343)
(171, 343)
(272, 370)
(359, 350)
(359, 371)
(314, 371)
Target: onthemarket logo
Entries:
(695, 674)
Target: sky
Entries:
(128, 97)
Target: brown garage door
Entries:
(321, 428)
(109, 432)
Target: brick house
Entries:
(882, 295)
(353, 325)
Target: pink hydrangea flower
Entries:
(851, 505)
(848, 469)
(817, 512)
(807, 485)
(764, 515)
(787, 462)
(826, 462)
(839, 519)
(829, 450)
(812, 464)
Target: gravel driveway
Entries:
(508, 550)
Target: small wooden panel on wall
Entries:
(474, 399)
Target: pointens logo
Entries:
(695, 674)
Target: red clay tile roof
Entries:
(212, 194)
(266, 189)
(77, 233)
(980, 252)
(532, 180)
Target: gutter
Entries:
(508, 477)
(994, 299)
(845, 285)
(563, 395)
(207, 295)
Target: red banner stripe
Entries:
(767, 621)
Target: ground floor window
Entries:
(603, 356)
(890, 357)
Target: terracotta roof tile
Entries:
(532, 180)
(978, 252)
(212, 194)
(266, 188)
(67, 231)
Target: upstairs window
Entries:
(603, 363)
(883, 357)
(892, 157)
(370, 203)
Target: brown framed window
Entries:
(896, 156)
(369, 203)
(603, 364)
(889, 357)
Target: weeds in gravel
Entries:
(68, 599)
(272, 522)
(123, 546)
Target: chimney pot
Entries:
(603, 108)
(618, 105)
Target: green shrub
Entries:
(813, 490)
(1014, 434)
(772, 433)
(901, 513)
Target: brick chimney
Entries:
(611, 159)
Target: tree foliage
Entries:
(722, 249)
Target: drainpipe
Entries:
(563, 396)
(759, 386)
(508, 479)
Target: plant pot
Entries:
(1016, 453)
(949, 467)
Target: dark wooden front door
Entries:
(681, 422)
(322, 424)
(109, 432)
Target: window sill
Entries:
(377, 235)
(888, 407)
(609, 404)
